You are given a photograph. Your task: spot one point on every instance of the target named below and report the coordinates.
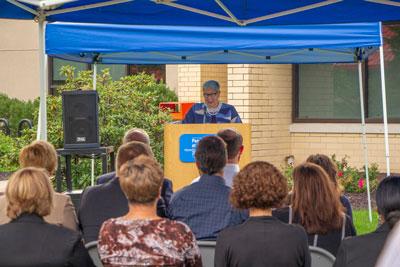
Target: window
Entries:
(116, 70)
(330, 92)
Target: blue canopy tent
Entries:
(228, 13)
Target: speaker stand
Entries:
(104, 152)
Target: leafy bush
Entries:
(15, 110)
(129, 102)
(353, 179)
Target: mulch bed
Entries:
(360, 200)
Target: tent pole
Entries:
(385, 122)
(94, 76)
(364, 137)
(42, 118)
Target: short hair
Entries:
(233, 140)
(211, 154)
(315, 199)
(141, 180)
(29, 191)
(259, 185)
(40, 154)
(211, 84)
(130, 151)
(136, 134)
(388, 199)
(325, 163)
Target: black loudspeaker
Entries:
(80, 119)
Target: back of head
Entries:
(211, 155)
(141, 180)
(259, 185)
(136, 134)
(388, 199)
(130, 151)
(40, 154)
(29, 191)
(233, 140)
(325, 163)
(315, 199)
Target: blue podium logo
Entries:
(188, 145)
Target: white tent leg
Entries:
(94, 76)
(364, 137)
(42, 118)
(385, 123)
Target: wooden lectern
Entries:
(179, 145)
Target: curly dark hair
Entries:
(259, 185)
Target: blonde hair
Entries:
(40, 154)
(29, 191)
(141, 180)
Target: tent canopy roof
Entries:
(144, 44)
(206, 12)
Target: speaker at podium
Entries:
(180, 141)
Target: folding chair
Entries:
(94, 253)
(321, 257)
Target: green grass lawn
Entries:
(361, 221)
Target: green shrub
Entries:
(129, 102)
(15, 110)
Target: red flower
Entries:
(340, 174)
(361, 183)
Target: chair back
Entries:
(94, 253)
(207, 251)
(321, 257)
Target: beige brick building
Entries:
(262, 94)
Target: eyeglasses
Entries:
(210, 95)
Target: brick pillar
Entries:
(262, 94)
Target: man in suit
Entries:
(101, 202)
(140, 135)
(204, 206)
(234, 147)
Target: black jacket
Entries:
(30, 241)
(362, 251)
(102, 202)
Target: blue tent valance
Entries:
(145, 44)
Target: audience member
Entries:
(364, 250)
(316, 206)
(234, 148)
(204, 205)
(42, 154)
(262, 240)
(329, 166)
(140, 135)
(101, 202)
(28, 240)
(140, 237)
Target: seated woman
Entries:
(364, 250)
(141, 237)
(28, 240)
(42, 154)
(262, 240)
(327, 164)
(316, 206)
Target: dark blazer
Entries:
(166, 189)
(262, 241)
(362, 251)
(30, 241)
(102, 202)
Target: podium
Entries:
(180, 141)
